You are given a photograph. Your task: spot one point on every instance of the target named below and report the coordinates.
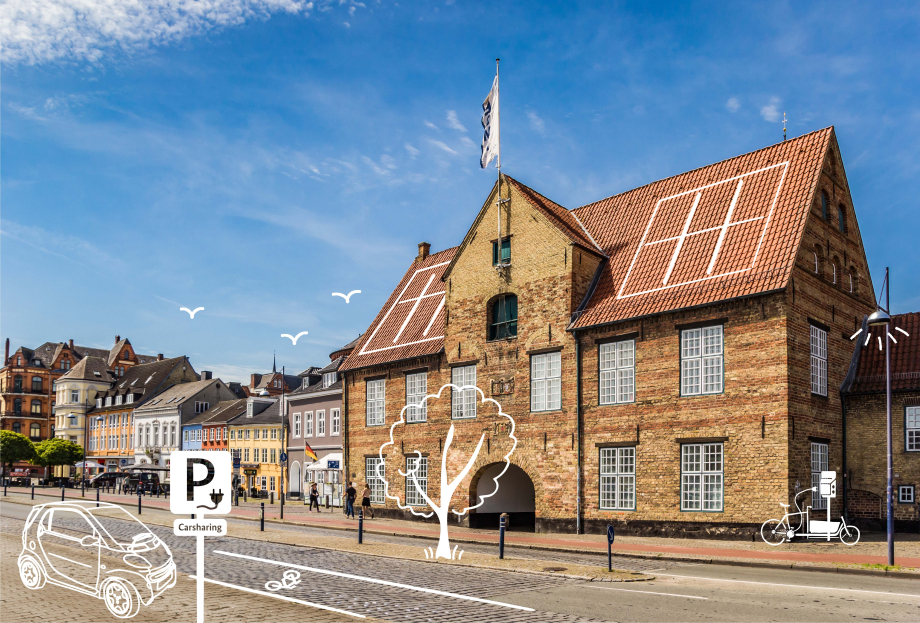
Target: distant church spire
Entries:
(274, 367)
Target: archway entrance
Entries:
(515, 496)
(294, 480)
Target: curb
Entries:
(762, 564)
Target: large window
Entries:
(701, 470)
(617, 372)
(36, 383)
(374, 473)
(320, 423)
(417, 472)
(912, 432)
(36, 407)
(701, 361)
(308, 424)
(329, 379)
(823, 205)
(818, 465)
(618, 478)
(336, 422)
(416, 389)
(842, 219)
(818, 361)
(463, 402)
(546, 382)
(503, 323)
(74, 396)
(297, 425)
(501, 253)
(35, 431)
(375, 402)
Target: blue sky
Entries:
(255, 156)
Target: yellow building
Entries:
(256, 437)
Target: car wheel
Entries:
(31, 574)
(121, 598)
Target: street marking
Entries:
(375, 581)
(627, 590)
(817, 588)
(283, 597)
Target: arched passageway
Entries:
(515, 496)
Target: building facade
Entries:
(256, 439)
(668, 356)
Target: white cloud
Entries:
(412, 150)
(466, 140)
(442, 146)
(770, 112)
(78, 250)
(453, 122)
(536, 123)
(347, 25)
(733, 105)
(376, 167)
(39, 31)
(431, 125)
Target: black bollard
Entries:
(610, 536)
(33, 492)
(138, 501)
(237, 496)
(361, 526)
(97, 497)
(501, 537)
(4, 487)
(262, 516)
(281, 496)
(62, 491)
(272, 498)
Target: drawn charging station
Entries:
(201, 484)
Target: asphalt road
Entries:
(412, 591)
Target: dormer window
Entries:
(108, 401)
(118, 399)
(129, 398)
(249, 410)
(329, 378)
(306, 382)
(98, 403)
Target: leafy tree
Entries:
(52, 452)
(14, 448)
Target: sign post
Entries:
(202, 482)
(610, 536)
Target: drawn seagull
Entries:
(191, 313)
(346, 297)
(294, 338)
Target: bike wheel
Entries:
(773, 532)
(849, 535)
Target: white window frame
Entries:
(416, 390)
(702, 487)
(819, 463)
(297, 425)
(818, 344)
(108, 401)
(118, 399)
(98, 403)
(329, 379)
(546, 382)
(617, 372)
(129, 399)
(912, 429)
(413, 497)
(321, 423)
(376, 402)
(336, 421)
(907, 494)
(617, 478)
(702, 361)
(463, 402)
(308, 424)
(375, 483)
(74, 396)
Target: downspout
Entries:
(578, 527)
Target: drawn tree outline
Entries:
(448, 488)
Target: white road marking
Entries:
(296, 601)
(375, 581)
(817, 588)
(629, 590)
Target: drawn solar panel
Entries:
(705, 233)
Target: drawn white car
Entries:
(99, 551)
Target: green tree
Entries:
(52, 452)
(15, 448)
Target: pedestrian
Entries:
(314, 497)
(350, 494)
(366, 501)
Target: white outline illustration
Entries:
(447, 488)
(124, 588)
(347, 297)
(294, 338)
(191, 313)
(722, 229)
(778, 531)
(289, 579)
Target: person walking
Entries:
(314, 497)
(350, 494)
(366, 501)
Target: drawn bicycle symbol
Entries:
(289, 580)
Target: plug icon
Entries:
(216, 497)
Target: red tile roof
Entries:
(412, 322)
(905, 357)
(564, 220)
(726, 230)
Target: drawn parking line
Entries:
(283, 597)
(817, 588)
(376, 581)
(629, 590)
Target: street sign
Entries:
(236, 462)
(201, 482)
(284, 457)
(333, 464)
(200, 527)
(609, 533)
(828, 485)
(250, 472)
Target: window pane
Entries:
(691, 343)
(690, 377)
(626, 385)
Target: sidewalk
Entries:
(869, 553)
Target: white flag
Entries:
(490, 146)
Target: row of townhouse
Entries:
(669, 359)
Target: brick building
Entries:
(863, 393)
(666, 353)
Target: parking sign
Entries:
(200, 482)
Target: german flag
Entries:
(309, 451)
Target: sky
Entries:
(254, 156)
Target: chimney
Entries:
(253, 381)
(205, 375)
(117, 339)
(70, 343)
(6, 352)
(159, 356)
(423, 249)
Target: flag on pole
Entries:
(490, 126)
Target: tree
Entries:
(58, 451)
(462, 447)
(14, 448)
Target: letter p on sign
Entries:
(200, 482)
